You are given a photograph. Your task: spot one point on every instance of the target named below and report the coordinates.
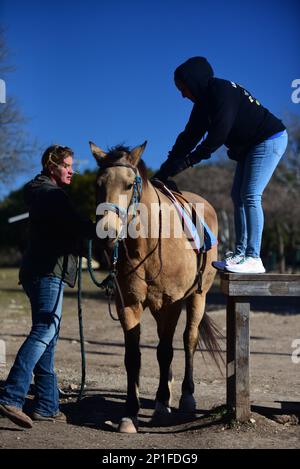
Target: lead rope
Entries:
(81, 334)
(134, 269)
(115, 287)
(110, 284)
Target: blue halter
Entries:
(120, 211)
(137, 193)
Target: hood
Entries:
(196, 74)
(32, 188)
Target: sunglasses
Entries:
(63, 164)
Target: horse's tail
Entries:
(209, 334)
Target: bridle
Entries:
(123, 215)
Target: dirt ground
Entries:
(275, 379)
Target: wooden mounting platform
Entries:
(260, 284)
(239, 288)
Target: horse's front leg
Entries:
(130, 321)
(166, 324)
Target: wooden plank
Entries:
(259, 277)
(238, 286)
(242, 360)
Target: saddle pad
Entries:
(201, 242)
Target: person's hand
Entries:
(171, 167)
(163, 173)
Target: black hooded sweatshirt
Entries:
(225, 110)
(56, 232)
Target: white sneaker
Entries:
(249, 265)
(230, 259)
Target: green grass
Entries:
(13, 301)
(15, 304)
(9, 278)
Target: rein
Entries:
(134, 269)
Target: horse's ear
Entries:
(135, 154)
(97, 152)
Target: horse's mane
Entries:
(116, 152)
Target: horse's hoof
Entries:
(187, 403)
(161, 415)
(161, 409)
(128, 425)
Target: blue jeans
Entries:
(251, 177)
(36, 355)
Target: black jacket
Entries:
(224, 110)
(56, 232)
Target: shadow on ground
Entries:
(103, 410)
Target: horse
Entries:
(150, 275)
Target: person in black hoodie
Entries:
(56, 235)
(226, 113)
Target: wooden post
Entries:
(242, 359)
(230, 353)
(238, 354)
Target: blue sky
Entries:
(103, 70)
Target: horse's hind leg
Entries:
(166, 320)
(195, 307)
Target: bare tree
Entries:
(16, 148)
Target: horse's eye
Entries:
(130, 186)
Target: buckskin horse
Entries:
(155, 272)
